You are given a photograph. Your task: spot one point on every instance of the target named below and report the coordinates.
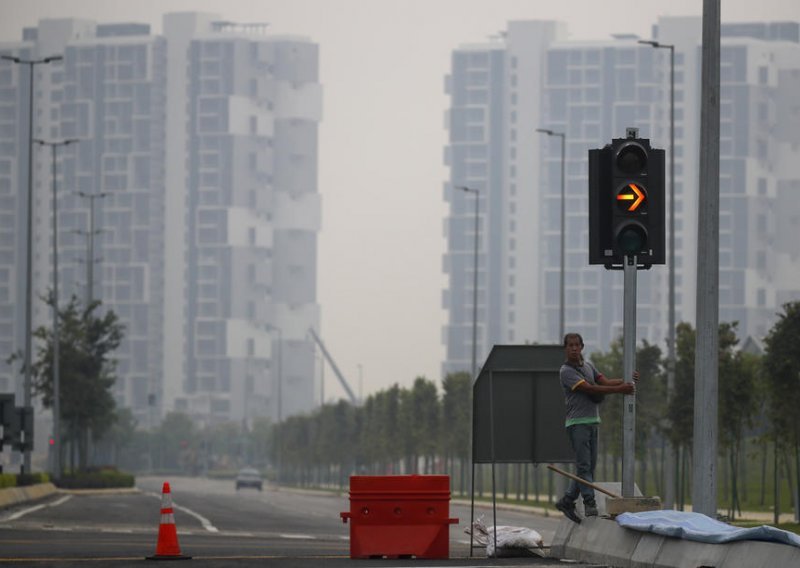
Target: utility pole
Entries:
(90, 245)
(56, 335)
(706, 364)
(562, 281)
(31, 63)
(279, 441)
(670, 474)
(476, 193)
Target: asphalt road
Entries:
(218, 526)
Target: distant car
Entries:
(249, 477)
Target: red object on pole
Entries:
(397, 516)
(167, 547)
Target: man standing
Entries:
(584, 389)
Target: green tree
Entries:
(86, 370)
(173, 438)
(425, 426)
(650, 409)
(649, 405)
(782, 376)
(610, 438)
(456, 427)
(680, 408)
(118, 438)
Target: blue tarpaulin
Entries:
(699, 527)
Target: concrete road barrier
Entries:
(11, 496)
(603, 541)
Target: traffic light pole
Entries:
(626, 231)
(628, 364)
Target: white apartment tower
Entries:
(200, 145)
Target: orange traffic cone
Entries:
(167, 547)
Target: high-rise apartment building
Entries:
(591, 91)
(198, 153)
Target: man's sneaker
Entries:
(568, 508)
(590, 510)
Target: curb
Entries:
(11, 496)
(603, 541)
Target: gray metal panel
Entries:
(518, 399)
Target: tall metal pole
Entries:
(476, 192)
(56, 334)
(26, 460)
(279, 441)
(90, 245)
(280, 403)
(704, 463)
(628, 364)
(31, 63)
(360, 385)
(90, 259)
(562, 282)
(671, 464)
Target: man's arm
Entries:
(607, 387)
(602, 380)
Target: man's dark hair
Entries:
(569, 336)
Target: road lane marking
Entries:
(203, 521)
(298, 536)
(23, 512)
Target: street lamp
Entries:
(31, 63)
(360, 384)
(563, 137)
(279, 441)
(90, 245)
(56, 336)
(669, 493)
(475, 192)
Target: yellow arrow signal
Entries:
(637, 196)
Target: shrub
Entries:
(105, 477)
(8, 480)
(24, 479)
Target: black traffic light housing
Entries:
(626, 203)
(6, 419)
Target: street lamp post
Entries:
(671, 465)
(31, 63)
(90, 244)
(279, 441)
(360, 384)
(56, 336)
(475, 192)
(563, 137)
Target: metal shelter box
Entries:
(518, 410)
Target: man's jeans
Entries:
(584, 441)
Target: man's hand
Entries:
(635, 376)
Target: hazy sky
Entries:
(381, 143)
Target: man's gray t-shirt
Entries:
(580, 408)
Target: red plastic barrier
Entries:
(397, 516)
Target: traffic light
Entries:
(626, 203)
(6, 418)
